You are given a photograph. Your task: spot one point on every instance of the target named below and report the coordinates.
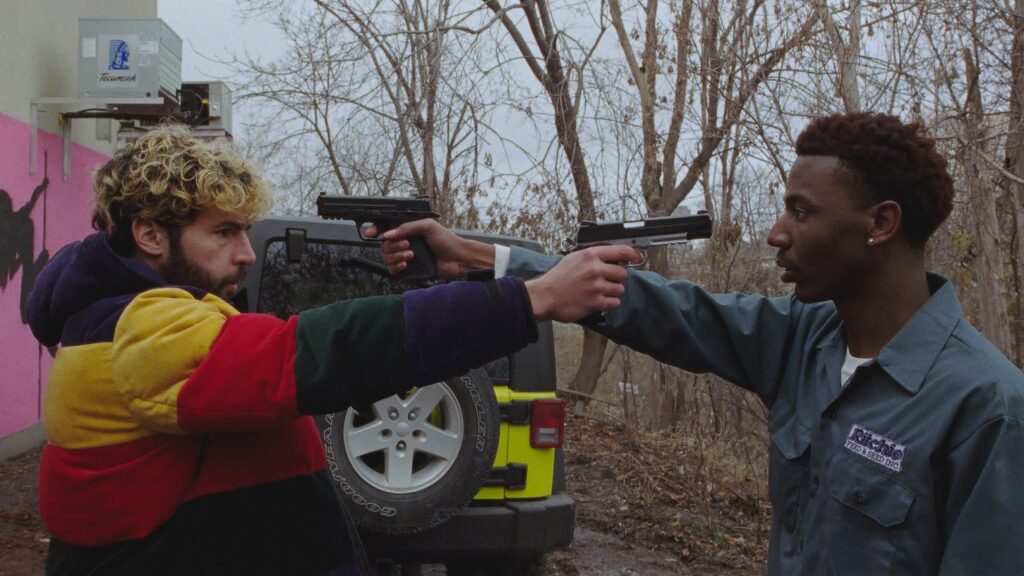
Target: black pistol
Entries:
(386, 212)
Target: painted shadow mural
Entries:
(17, 244)
(39, 213)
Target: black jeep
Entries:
(466, 472)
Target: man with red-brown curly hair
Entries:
(179, 437)
(897, 430)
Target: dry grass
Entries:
(696, 489)
(662, 492)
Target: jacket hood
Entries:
(81, 275)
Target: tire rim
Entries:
(406, 444)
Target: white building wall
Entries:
(40, 212)
(39, 54)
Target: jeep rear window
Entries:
(329, 272)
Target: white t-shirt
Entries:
(850, 366)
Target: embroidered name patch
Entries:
(876, 447)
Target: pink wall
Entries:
(61, 214)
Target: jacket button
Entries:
(858, 497)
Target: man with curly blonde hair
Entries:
(179, 437)
(169, 182)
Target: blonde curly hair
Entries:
(169, 175)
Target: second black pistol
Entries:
(387, 213)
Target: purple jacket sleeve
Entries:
(461, 325)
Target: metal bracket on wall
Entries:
(85, 108)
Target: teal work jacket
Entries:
(915, 467)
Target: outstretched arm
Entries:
(240, 371)
(576, 286)
(31, 204)
(742, 338)
(745, 339)
(455, 255)
(188, 365)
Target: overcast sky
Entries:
(212, 29)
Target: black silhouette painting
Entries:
(17, 244)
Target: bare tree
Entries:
(847, 51)
(526, 117)
(963, 114)
(546, 65)
(733, 59)
(1013, 175)
(981, 198)
(383, 90)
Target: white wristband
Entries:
(501, 256)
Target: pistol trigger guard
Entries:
(359, 230)
(642, 262)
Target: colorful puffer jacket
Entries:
(178, 435)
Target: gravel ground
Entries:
(632, 518)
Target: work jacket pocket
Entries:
(787, 477)
(870, 510)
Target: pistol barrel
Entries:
(645, 233)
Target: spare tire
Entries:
(415, 459)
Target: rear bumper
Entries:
(509, 528)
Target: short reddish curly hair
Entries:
(890, 160)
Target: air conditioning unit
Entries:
(206, 107)
(129, 59)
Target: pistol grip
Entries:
(423, 265)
